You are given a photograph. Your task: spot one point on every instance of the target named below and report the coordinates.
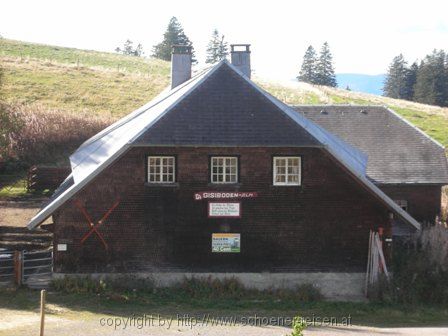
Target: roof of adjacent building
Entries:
(398, 152)
(217, 107)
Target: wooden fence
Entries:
(41, 178)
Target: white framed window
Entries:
(287, 170)
(224, 169)
(402, 204)
(161, 169)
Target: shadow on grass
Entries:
(169, 304)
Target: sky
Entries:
(364, 36)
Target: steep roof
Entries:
(398, 152)
(210, 109)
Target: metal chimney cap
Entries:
(181, 49)
(234, 46)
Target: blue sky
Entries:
(364, 35)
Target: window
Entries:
(161, 169)
(287, 170)
(402, 204)
(224, 169)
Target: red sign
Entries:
(224, 195)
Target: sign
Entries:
(62, 247)
(223, 195)
(224, 210)
(226, 242)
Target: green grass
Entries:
(170, 303)
(434, 125)
(85, 58)
(291, 96)
(49, 75)
(79, 90)
(14, 188)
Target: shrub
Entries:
(116, 284)
(420, 270)
(211, 287)
(298, 326)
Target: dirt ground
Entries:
(69, 323)
(18, 213)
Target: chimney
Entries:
(240, 57)
(180, 64)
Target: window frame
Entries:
(286, 183)
(210, 175)
(161, 156)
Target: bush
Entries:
(298, 326)
(85, 284)
(420, 270)
(188, 288)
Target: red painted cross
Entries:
(94, 227)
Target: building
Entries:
(217, 176)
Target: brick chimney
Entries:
(180, 64)
(240, 58)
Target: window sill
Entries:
(224, 185)
(162, 185)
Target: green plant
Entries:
(298, 326)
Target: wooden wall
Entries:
(322, 225)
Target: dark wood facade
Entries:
(322, 225)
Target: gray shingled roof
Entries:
(397, 151)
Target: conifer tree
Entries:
(217, 48)
(308, 70)
(325, 71)
(410, 80)
(174, 35)
(395, 83)
(432, 80)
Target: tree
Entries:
(217, 48)
(410, 80)
(308, 70)
(431, 86)
(128, 49)
(174, 35)
(325, 71)
(395, 85)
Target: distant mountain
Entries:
(362, 83)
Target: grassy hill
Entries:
(110, 85)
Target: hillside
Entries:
(112, 85)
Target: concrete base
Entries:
(333, 286)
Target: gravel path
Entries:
(21, 323)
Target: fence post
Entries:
(18, 267)
(42, 311)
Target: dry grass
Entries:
(49, 136)
(18, 214)
(86, 90)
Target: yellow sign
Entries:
(226, 242)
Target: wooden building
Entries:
(217, 176)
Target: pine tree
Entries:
(308, 70)
(410, 80)
(128, 49)
(174, 35)
(395, 83)
(325, 71)
(217, 48)
(431, 85)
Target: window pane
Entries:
(281, 162)
(161, 169)
(280, 178)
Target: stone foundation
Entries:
(333, 286)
